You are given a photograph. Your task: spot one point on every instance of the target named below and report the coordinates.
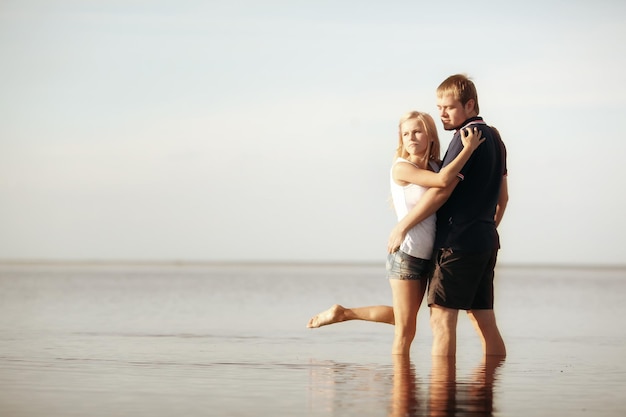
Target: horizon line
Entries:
(271, 262)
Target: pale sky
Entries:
(264, 130)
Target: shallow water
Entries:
(230, 340)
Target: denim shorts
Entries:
(406, 267)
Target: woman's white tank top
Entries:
(420, 239)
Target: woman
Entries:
(409, 267)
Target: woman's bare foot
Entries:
(335, 314)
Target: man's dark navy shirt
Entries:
(466, 220)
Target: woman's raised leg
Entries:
(338, 313)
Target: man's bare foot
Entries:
(335, 314)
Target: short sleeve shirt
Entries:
(466, 220)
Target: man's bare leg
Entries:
(338, 313)
(484, 322)
(443, 323)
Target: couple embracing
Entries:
(445, 243)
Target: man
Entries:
(468, 212)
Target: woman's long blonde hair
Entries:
(434, 148)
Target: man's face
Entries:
(451, 112)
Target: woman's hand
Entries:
(396, 238)
(471, 137)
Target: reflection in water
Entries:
(358, 389)
(404, 395)
(447, 396)
(348, 389)
(450, 397)
(443, 387)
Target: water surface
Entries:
(230, 340)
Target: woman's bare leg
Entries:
(407, 298)
(338, 313)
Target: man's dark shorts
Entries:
(463, 280)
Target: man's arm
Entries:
(503, 199)
(428, 204)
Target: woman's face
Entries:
(414, 137)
